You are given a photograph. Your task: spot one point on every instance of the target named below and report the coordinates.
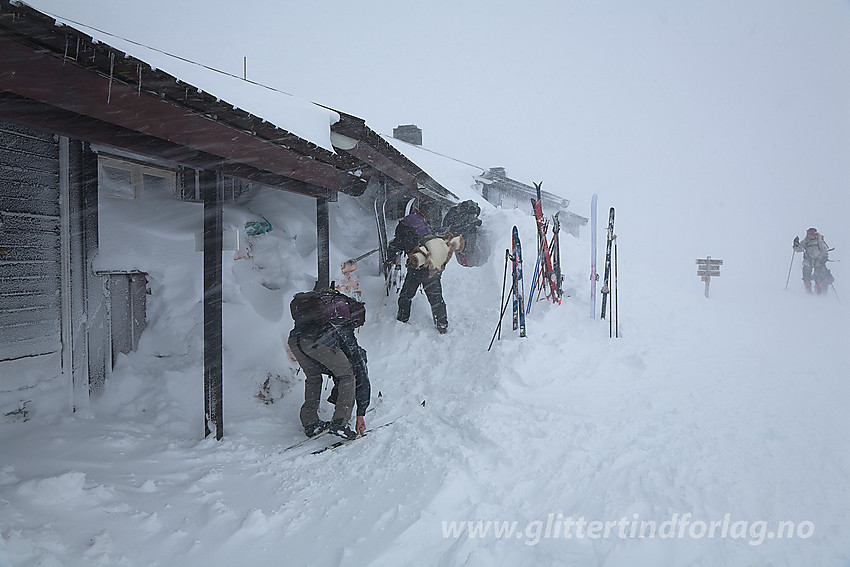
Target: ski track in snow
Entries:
(703, 407)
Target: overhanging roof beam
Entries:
(34, 74)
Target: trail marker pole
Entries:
(708, 267)
(594, 277)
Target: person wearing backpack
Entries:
(427, 256)
(815, 256)
(463, 219)
(323, 342)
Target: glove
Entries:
(796, 241)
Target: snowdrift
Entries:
(711, 433)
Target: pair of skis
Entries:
(391, 268)
(516, 293)
(548, 266)
(336, 444)
(391, 272)
(343, 442)
(610, 304)
(518, 286)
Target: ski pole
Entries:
(791, 267)
(501, 315)
(534, 280)
(612, 287)
(616, 299)
(504, 279)
(369, 253)
(836, 292)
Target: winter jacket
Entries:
(814, 248)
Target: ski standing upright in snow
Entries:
(395, 274)
(606, 278)
(518, 289)
(390, 267)
(555, 249)
(380, 222)
(546, 265)
(385, 267)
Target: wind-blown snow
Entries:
(714, 132)
(728, 408)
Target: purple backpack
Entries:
(417, 223)
(311, 308)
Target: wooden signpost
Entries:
(706, 268)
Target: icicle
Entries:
(139, 67)
(77, 55)
(65, 55)
(111, 67)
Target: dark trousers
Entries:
(317, 359)
(433, 291)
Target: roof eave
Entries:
(34, 62)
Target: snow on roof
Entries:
(288, 112)
(456, 176)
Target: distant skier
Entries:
(323, 342)
(815, 256)
(427, 256)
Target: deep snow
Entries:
(730, 409)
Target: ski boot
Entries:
(340, 429)
(315, 428)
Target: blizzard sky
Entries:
(715, 127)
(738, 106)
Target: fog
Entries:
(722, 124)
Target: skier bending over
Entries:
(815, 256)
(427, 256)
(323, 342)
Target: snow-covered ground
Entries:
(710, 427)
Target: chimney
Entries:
(409, 133)
(498, 171)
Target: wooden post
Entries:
(323, 243)
(212, 194)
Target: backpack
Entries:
(318, 308)
(417, 223)
(463, 218)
